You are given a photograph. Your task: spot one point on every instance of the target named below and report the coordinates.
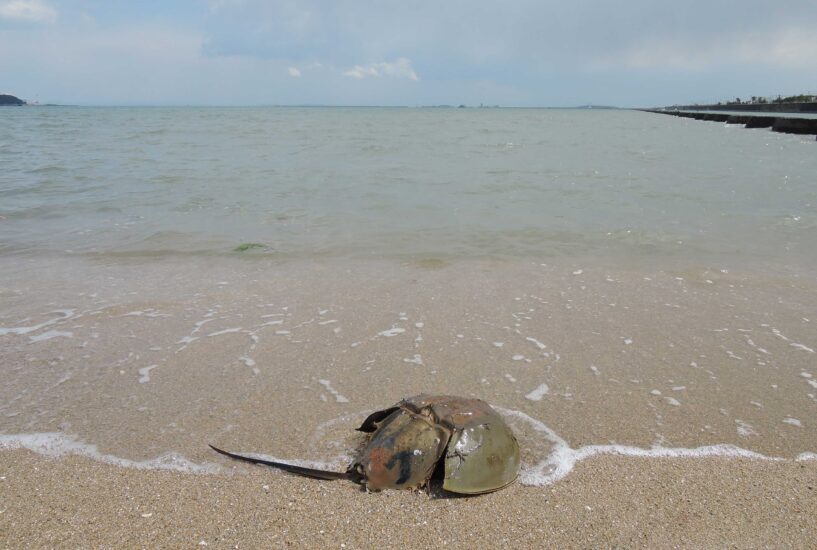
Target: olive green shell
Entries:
(408, 440)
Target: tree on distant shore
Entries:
(758, 100)
(6, 99)
(802, 98)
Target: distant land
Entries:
(801, 103)
(481, 106)
(757, 100)
(11, 100)
(7, 99)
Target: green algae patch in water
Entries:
(430, 263)
(248, 246)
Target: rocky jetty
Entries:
(786, 125)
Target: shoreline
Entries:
(602, 371)
(142, 367)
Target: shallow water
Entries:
(417, 183)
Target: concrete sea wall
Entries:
(786, 125)
(810, 107)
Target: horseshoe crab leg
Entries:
(291, 468)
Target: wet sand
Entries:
(139, 364)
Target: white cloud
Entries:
(400, 68)
(294, 72)
(791, 47)
(27, 10)
(146, 64)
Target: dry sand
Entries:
(607, 501)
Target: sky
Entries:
(628, 53)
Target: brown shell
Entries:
(408, 440)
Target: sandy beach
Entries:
(654, 408)
(608, 501)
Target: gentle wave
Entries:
(386, 182)
(58, 445)
(538, 471)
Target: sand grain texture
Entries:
(607, 501)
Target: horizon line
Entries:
(328, 105)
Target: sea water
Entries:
(402, 182)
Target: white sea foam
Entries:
(801, 346)
(394, 331)
(144, 373)
(538, 393)
(65, 314)
(249, 362)
(226, 331)
(744, 429)
(543, 468)
(561, 459)
(190, 338)
(145, 313)
(57, 445)
(536, 342)
(48, 335)
(328, 385)
(785, 338)
(758, 348)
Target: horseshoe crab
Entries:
(463, 439)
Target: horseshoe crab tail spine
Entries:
(291, 468)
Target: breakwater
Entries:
(786, 125)
(790, 107)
